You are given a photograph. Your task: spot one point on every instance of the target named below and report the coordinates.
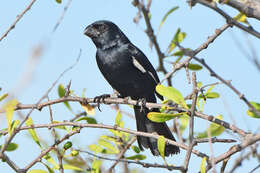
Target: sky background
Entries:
(60, 50)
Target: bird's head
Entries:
(105, 34)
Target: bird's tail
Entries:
(145, 125)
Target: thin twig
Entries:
(132, 102)
(191, 122)
(46, 151)
(229, 19)
(145, 165)
(120, 156)
(62, 16)
(19, 16)
(55, 141)
(103, 126)
(9, 139)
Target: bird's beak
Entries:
(90, 31)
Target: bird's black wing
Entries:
(143, 64)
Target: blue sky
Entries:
(61, 49)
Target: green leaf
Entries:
(10, 147)
(37, 171)
(110, 147)
(9, 108)
(184, 122)
(203, 165)
(178, 38)
(74, 153)
(136, 157)
(49, 168)
(161, 146)
(241, 17)
(194, 67)
(67, 145)
(108, 138)
(71, 167)
(135, 149)
(199, 84)
(59, 127)
(14, 124)
(172, 94)
(214, 129)
(257, 107)
(212, 95)
(51, 161)
(162, 117)
(96, 166)
(166, 15)
(2, 97)
(178, 53)
(96, 148)
(59, 1)
(90, 120)
(29, 122)
(118, 118)
(62, 92)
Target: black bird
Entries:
(129, 72)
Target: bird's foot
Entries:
(143, 103)
(99, 99)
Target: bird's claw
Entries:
(143, 103)
(99, 99)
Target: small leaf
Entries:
(178, 53)
(184, 122)
(257, 107)
(166, 15)
(71, 167)
(51, 161)
(212, 95)
(162, 117)
(2, 97)
(29, 122)
(135, 149)
(59, 1)
(9, 108)
(90, 120)
(203, 165)
(37, 171)
(62, 92)
(136, 157)
(59, 127)
(241, 17)
(108, 146)
(118, 118)
(161, 146)
(10, 147)
(67, 145)
(199, 84)
(49, 168)
(214, 130)
(178, 38)
(74, 153)
(88, 109)
(172, 94)
(96, 166)
(96, 148)
(14, 124)
(194, 67)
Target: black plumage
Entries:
(129, 72)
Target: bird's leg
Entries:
(143, 103)
(99, 99)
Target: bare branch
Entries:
(19, 16)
